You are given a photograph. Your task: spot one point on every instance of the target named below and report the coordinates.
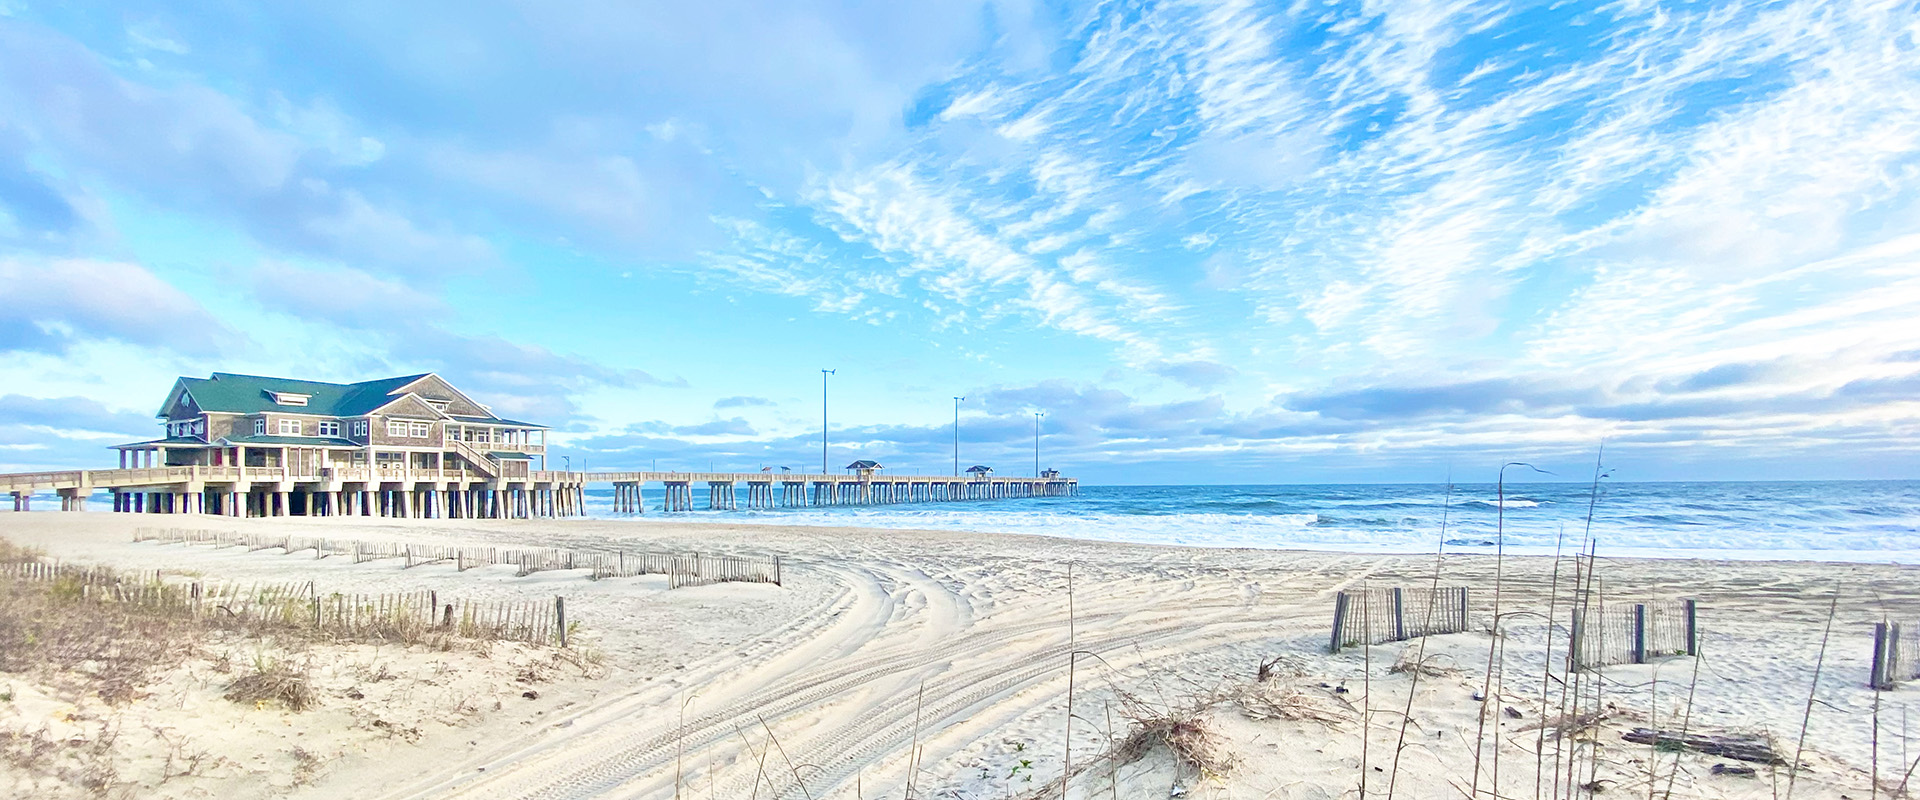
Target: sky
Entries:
(1210, 242)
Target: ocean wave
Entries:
(1510, 503)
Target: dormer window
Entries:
(439, 405)
(289, 398)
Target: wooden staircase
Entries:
(480, 462)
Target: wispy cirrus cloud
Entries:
(1375, 231)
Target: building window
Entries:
(396, 428)
(289, 427)
(329, 429)
(260, 426)
(360, 427)
(420, 430)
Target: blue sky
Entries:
(1211, 241)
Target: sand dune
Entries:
(939, 659)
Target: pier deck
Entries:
(438, 493)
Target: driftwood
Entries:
(1739, 747)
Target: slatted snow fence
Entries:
(1896, 655)
(1633, 633)
(395, 616)
(681, 569)
(1373, 616)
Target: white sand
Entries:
(958, 642)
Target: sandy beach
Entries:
(934, 664)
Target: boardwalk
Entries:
(461, 494)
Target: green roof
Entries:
(502, 455)
(228, 393)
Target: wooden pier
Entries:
(460, 494)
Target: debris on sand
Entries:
(1739, 747)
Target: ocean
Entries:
(1863, 521)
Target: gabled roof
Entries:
(229, 393)
(864, 464)
(979, 468)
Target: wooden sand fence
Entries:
(1375, 616)
(401, 616)
(681, 569)
(1896, 655)
(1633, 633)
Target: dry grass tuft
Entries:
(1186, 736)
(1433, 666)
(1181, 729)
(108, 650)
(1288, 701)
(273, 681)
(11, 553)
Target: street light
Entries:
(1036, 442)
(823, 418)
(568, 461)
(956, 435)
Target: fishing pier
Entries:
(414, 446)
(462, 494)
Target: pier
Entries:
(400, 492)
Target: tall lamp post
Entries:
(823, 418)
(1036, 442)
(956, 434)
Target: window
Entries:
(483, 435)
(420, 430)
(289, 427)
(396, 428)
(329, 429)
(260, 426)
(289, 398)
(360, 427)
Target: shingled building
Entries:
(399, 442)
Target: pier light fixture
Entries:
(956, 434)
(1036, 442)
(823, 418)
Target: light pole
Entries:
(956, 434)
(1036, 442)
(569, 462)
(823, 418)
